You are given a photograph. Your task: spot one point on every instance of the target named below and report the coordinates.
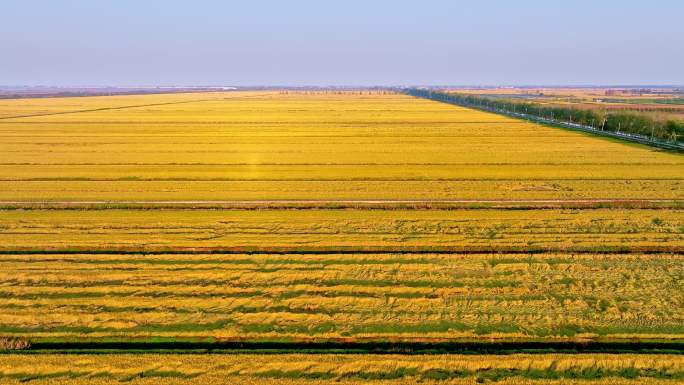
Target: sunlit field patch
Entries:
(307, 146)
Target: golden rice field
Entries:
(330, 217)
(336, 190)
(344, 229)
(347, 369)
(407, 297)
(270, 145)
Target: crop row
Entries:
(337, 230)
(347, 369)
(363, 296)
(332, 191)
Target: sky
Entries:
(335, 43)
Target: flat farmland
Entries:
(324, 146)
(348, 369)
(316, 230)
(30, 107)
(253, 229)
(342, 297)
(504, 192)
(335, 230)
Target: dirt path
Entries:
(361, 201)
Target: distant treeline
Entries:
(611, 121)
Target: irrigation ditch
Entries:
(352, 347)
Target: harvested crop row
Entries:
(475, 190)
(298, 369)
(439, 297)
(348, 230)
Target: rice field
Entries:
(347, 369)
(329, 217)
(143, 191)
(363, 297)
(650, 230)
(331, 146)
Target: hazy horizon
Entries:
(76, 43)
(339, 86)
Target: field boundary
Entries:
(640, 139)
(522, 250)
(369, 204)
(103, 109)
(371, 347)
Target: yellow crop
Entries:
(361, 296)
(271, 145)
(332, 230)
(331, 217)
(346, 369)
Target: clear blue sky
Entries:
(350, 42)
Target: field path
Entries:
(361, 201)
(357, 203)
